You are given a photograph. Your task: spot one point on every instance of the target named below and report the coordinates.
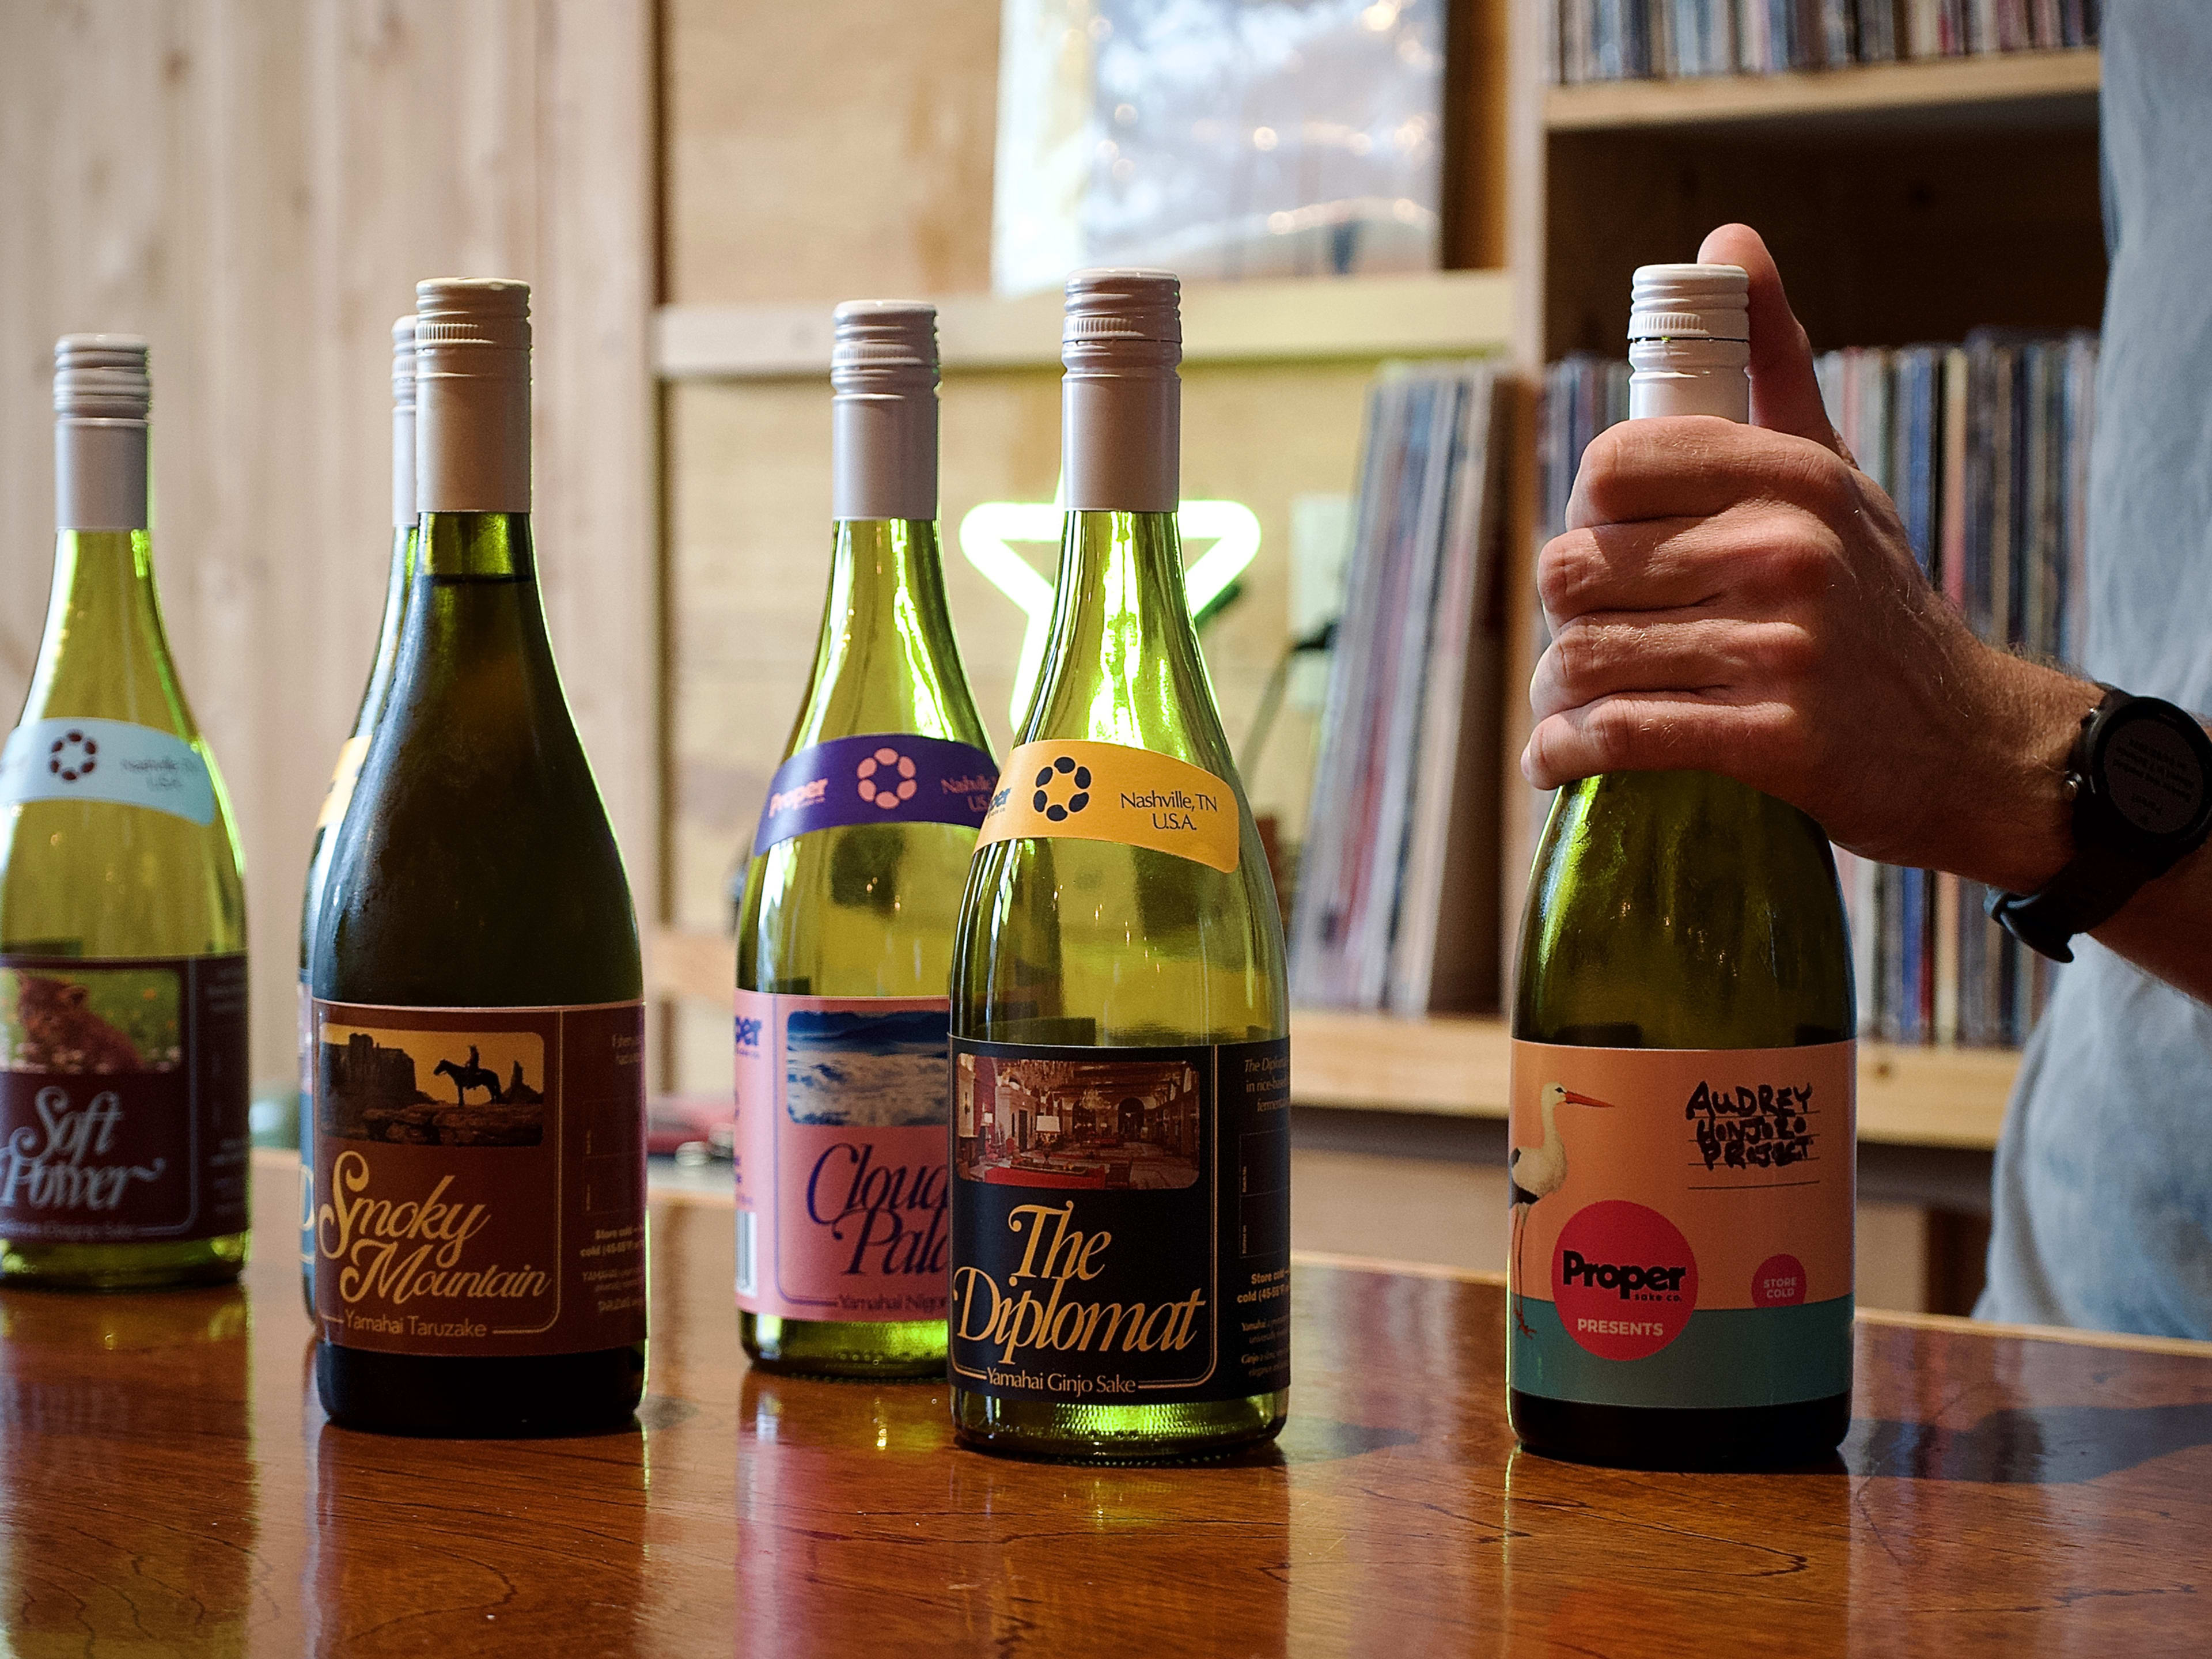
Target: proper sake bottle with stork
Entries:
(123, 1053)
(477, 1015)
(1682, 1114)
(1120, 1215)
(845, 930)
(351, 753)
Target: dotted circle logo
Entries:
(73, 756)
(887, 779)
(1625, 1278)
(1062, 771)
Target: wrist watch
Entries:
(2140, 778)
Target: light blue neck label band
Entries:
(106, 759)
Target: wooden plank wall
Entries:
(256, 187)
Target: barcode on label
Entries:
(745, 1253)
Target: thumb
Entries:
(1785, 396)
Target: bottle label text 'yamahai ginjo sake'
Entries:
(840, 1168)
(1121, 1222)
(122, 1099)
(479, 1182)
(1682, 1224)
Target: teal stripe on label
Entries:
(1725, 1357)
(113, 761)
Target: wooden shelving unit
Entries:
(1998, 89)
(1311, 319)
(1915, 1097)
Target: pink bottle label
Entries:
(842, 1155)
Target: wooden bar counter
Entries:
(167, 1485)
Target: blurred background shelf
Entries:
(1999, 89)
(1947, 1099)
(1431, 315)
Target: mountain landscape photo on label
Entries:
(865, 1071)
(432, 1088)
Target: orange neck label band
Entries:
(1076, 790)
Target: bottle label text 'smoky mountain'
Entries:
(841, 1167)
(1121, 1222)
(1682, 1224)
(479, 1183)
(123, 1099)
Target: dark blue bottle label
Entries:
(887, 777)
(1121, 1222)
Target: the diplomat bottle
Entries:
(478, 1016)
(1121, 1216)
(845, 932)
(351, 753)
(1682, 1096)
(123, 1158)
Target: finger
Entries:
(1658, 732)
(1721, 658)
(1693, 465)
(1755, 554)
(1785, 394)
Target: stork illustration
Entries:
(1534, 1173)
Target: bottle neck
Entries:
(105, 653)
(1123, 662)
(1690, 377)
(387, 633)
(885, 660)
(404, 511)
(475, 547)
(101, 474)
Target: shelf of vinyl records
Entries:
(1294, 320)
(2013, 87)
(1457, 1066)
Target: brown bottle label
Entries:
(123, 1099)
(479, 1178)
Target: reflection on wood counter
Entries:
(167, 1485)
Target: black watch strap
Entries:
(2141, 780)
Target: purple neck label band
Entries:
(887, 777)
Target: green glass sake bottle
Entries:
(477, 1015)
(351, 753)
(845, 930)
(1683, 1075)
(1121, 1218)
(124, 1158)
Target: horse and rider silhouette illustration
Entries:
(476, 1075)
(473, 1075)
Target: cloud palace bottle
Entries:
(477, 1019)
(845, 930)
(122, 1076)
(1682, 1096)
(1120, 1215)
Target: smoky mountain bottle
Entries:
(1682, 1114)
(123, 1155)
(351, 753)
(478, 1014)
(1121, 1238)
(845, 929)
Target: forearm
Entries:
(2017, 833)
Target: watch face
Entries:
(2152, 776)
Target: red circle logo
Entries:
(1625, 1279)
(1778, 1283)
